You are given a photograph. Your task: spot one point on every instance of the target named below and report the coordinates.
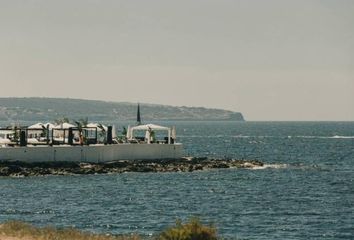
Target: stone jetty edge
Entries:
(188, 164)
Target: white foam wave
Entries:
(247, 136)
(345, 137)
(325, 137)
(202, 136)
(273, 166)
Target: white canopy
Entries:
(41, 125)
(36, 126)
(152, 127)
(5, 131)
(36, 129)
(51, 125)
(64, 126)
(4, 141)
(148, 128)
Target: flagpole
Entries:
(138, 117)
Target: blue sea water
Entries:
(305, 190)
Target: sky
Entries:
(274, 60)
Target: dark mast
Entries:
(138, 117)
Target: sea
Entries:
(305, 190)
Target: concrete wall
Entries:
(93, 153)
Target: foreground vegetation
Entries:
(191, 230)
(20, 230)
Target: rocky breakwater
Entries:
(23, 169)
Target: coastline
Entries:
(24, 169)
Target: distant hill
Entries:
(42, 109)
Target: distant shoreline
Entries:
(43, 109)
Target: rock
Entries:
(167, 165)
(10, 170)
(4, 171)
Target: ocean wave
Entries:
(250, 136)
(325, 137)
(270, 136)
(298, 166)
(271, 166)
(298, 136)
(345, 137)
(198, 136)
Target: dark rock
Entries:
(4, 171)
(165, 165)
(12, 169)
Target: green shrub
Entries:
(192, 230)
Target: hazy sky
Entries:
(269, 59)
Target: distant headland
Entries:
(41, 109)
